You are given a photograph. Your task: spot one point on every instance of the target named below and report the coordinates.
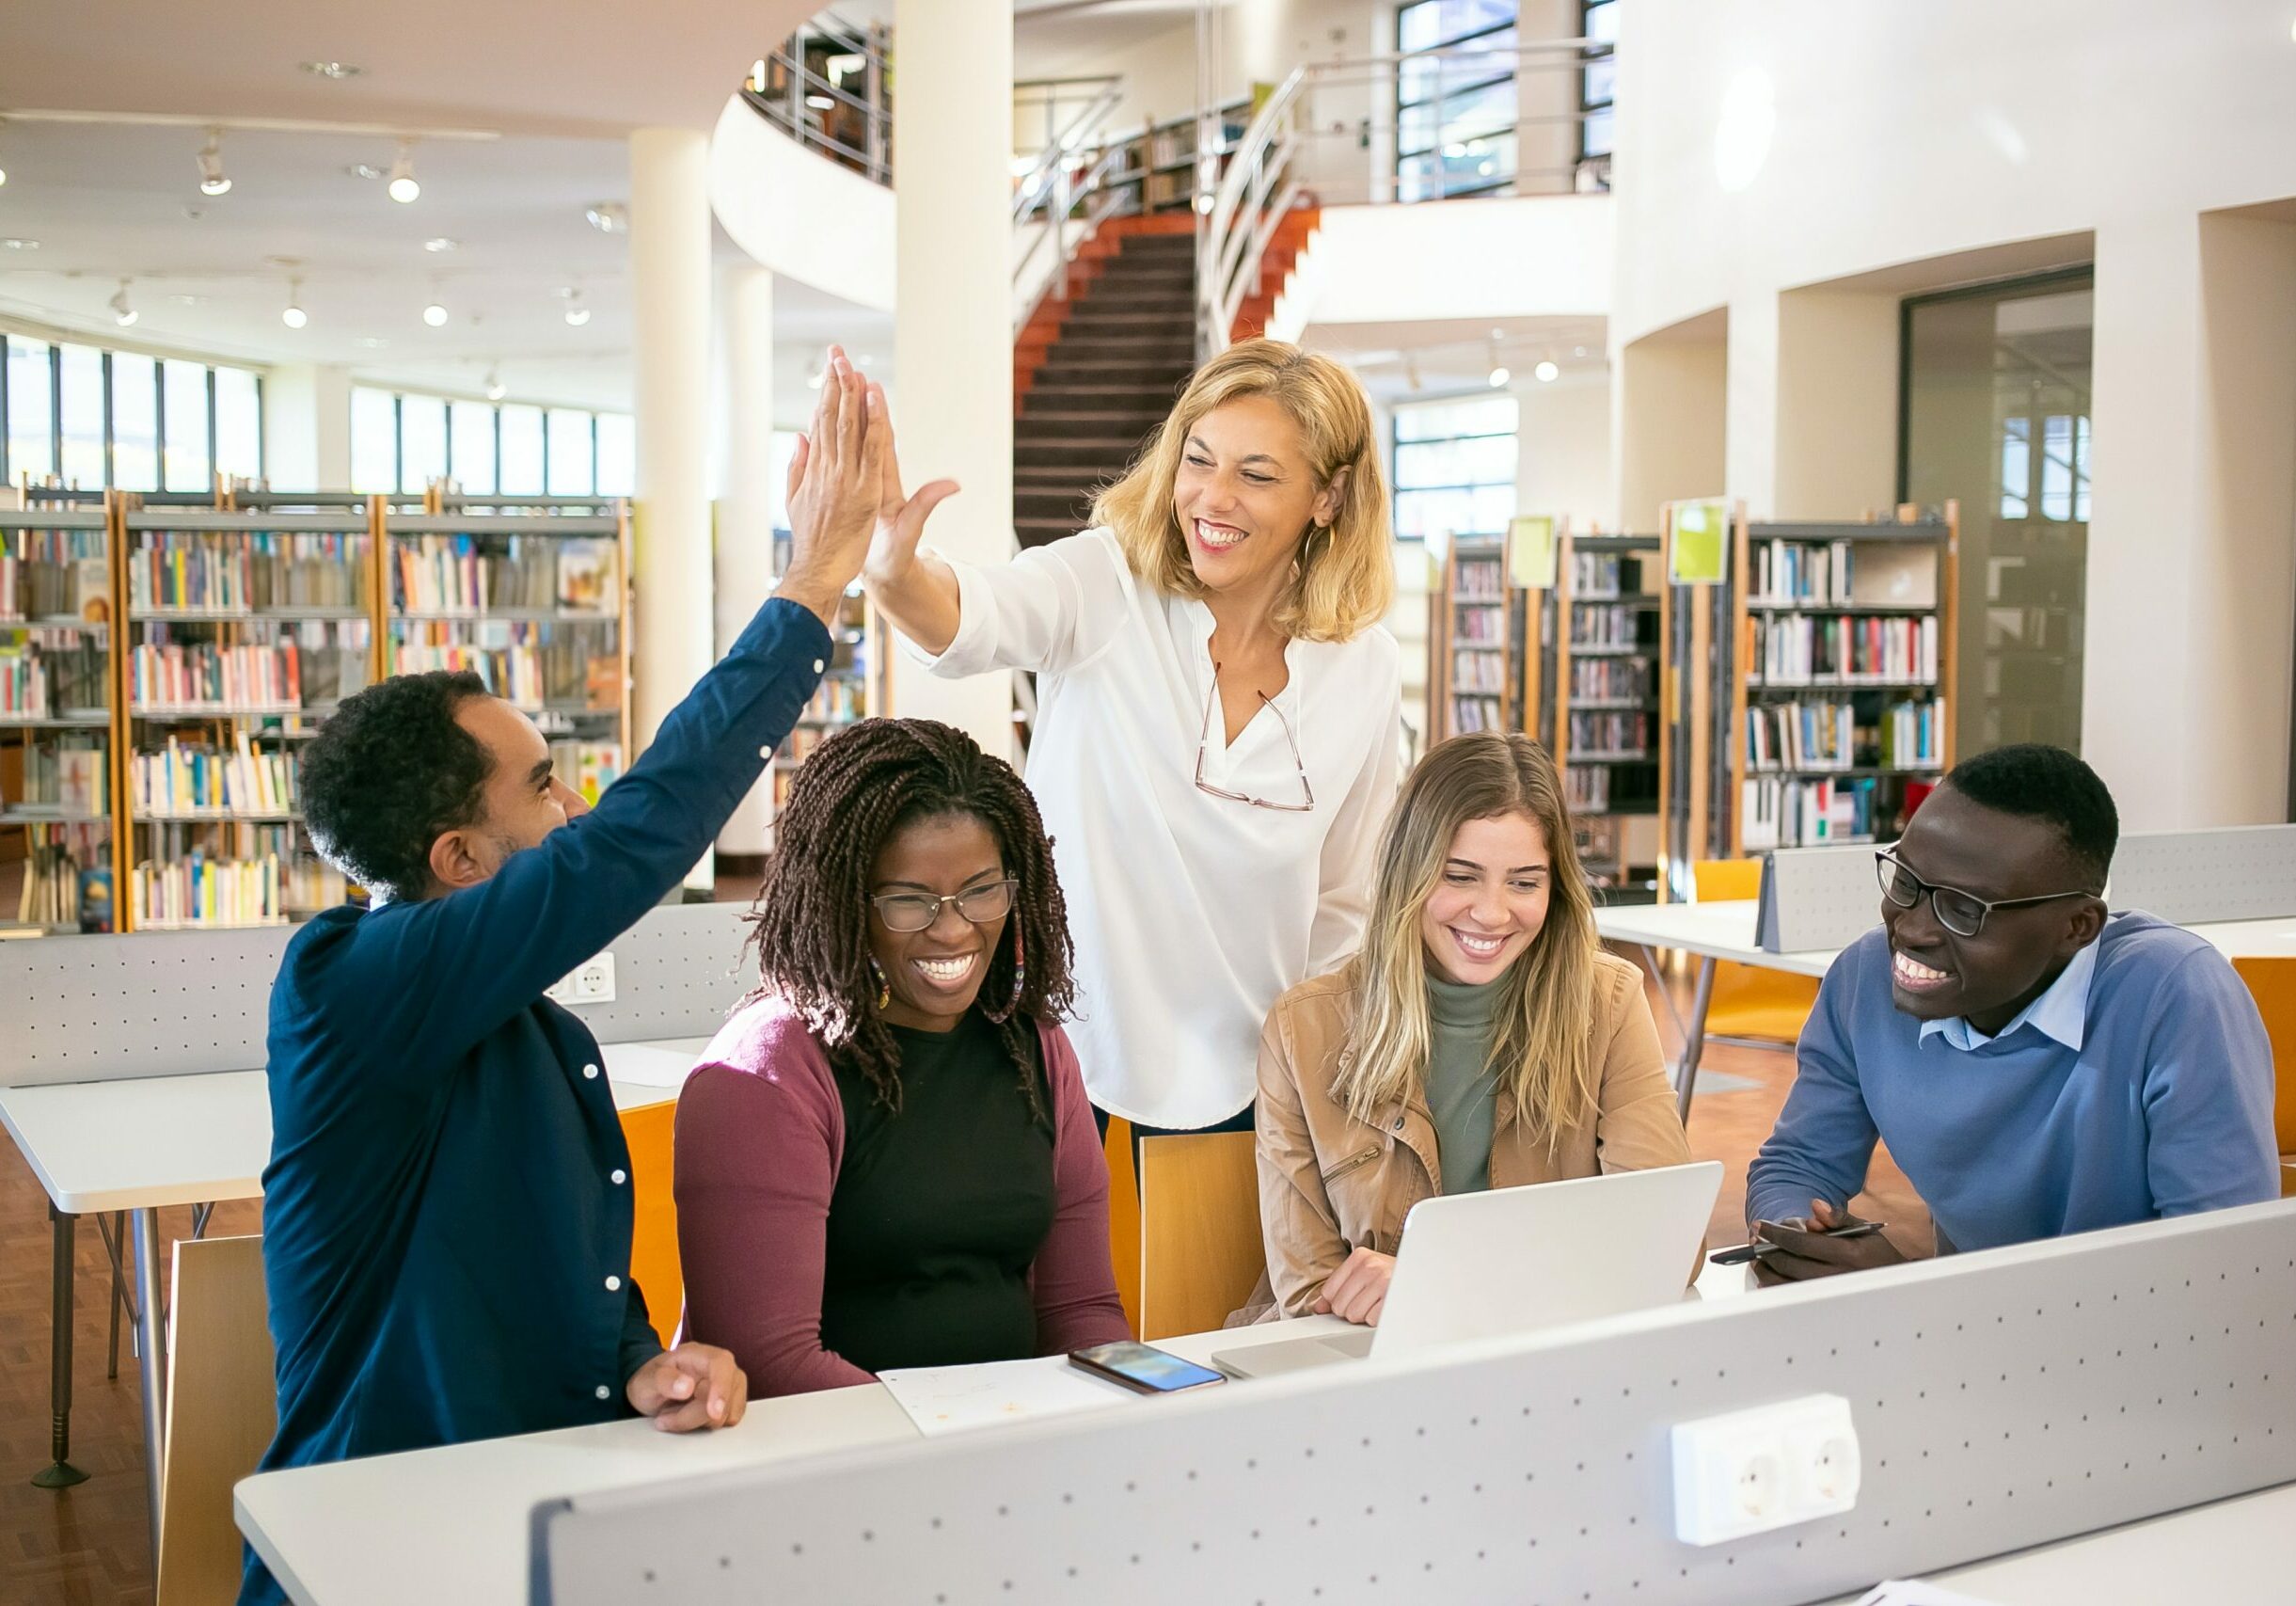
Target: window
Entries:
(1455, 98)
(521, 451)
(1598, 23)
(136, 422)
(1455, 467)
(618, 456)
(183, 427)
(573, 462)
(471, 446)
(128, 420)
(29, 446)
(239, 424)
(81, 405)
(375, 440)
(400, 444)
(422, 443)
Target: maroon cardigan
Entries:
(760, 1139)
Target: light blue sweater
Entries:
(2166, 1109)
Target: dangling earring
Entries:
(885, 988)
(1020, 978)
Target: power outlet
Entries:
(590, 983)
(1767, 1467)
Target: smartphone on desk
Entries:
(1143, 1368)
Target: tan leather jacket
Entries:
(1328, 1182)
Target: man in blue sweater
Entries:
(446, 1211)
(2036, 1065)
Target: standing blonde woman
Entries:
(1481, 1037)
(1218, 715)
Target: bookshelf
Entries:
(58, 781)
(1809, 694)
(853, 687)
(1474, 640)
(1600, 715)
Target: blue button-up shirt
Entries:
(446, 1211)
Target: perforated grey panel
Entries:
(2195, 877)
(1826, 897)
(2002, 1400)
(172, 1003)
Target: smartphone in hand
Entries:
(1739, 1254)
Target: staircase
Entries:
(1093, 374)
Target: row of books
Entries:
(1479, 580)
(1596, 735)
(67, 879)
(200, 891)
(1912, 735)
(1610, 680)
(47, 574)
(1586, 787)
(1473, 713)
(559, 663)
(1604, 625)
(513, 674)
(468, 573)
(1596, 576)
(205, 675)
(1484, 623)
(1801, 736)
(1476, 671)
(197, 778)
(1838, 650)
(233, 572)
(1774, 813)
(71, 774)
(588, 766)
(1796, 572)
(46, 673)
(838, 701)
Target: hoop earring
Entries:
(885, 988)
(1019, 979)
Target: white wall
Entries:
(800, 214)
(1779, 146)
(1540, 256)
(1564, 439)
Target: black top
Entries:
(939, 1211)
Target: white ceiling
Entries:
(1432, 357)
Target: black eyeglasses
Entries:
(1204, 738)
(1961, 913)
(908, 912)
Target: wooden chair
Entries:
(221, 1413)
(1763, 1005)
(1200, 1249)
(650, 1130)
(2273, 983)
(1124, 1217)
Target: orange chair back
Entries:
(1124, 1217)
(2273, 983)
(1750, 1002)
(650, 1130)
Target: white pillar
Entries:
(747, 496)
(952, 140)
(669, 303)
(307, 427)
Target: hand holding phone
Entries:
(1761, 1248)
(1142, 1368)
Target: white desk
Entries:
(1725, 931)
(139, 1144)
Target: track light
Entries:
(1546, 373)
(402, 187)
(435, 315)
(123, 314)
(3, 171)
(213, 180)
(576, 313)
(496, 390)
(293, 314)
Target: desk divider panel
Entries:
(1816, 899)
(178, 1003)
(2194, 877)
(2002, 1400)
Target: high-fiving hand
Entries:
(900, 520)
(836, 481)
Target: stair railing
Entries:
(1232, 236)
(1061, 198)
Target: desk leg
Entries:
(151, 1332)
(1693, 1041)
(60, 1474)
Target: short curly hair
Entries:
(387, 773)
(2035, 781)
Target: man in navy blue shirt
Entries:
(2036, 1065)
(447, 1212)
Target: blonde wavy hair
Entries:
(1543, 1022)
(1345, 579)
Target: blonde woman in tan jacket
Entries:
(1480, 1037)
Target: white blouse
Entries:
(1190, 912)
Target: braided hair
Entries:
(811, 921)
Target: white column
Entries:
(1750, 439)
(747, 497)
(670, 309)
(307, 427)
(952, 142)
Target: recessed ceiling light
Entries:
(335, 69)
(365, 170)
(820, 102)
(441, 243)
(186, 300)
(609, 216)
(122, 313)
(435, 315)
(373, 342)
(1546, 373)
(19, 245)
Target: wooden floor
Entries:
(88, 1546)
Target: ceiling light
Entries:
(19, 245)
(402, 185)
(3, 171)
(1546, 373)
(1411, 374)
(373, 342)
(122, 313)
(435, 315)
(576, 314)
(843, 66)
(821, 103)
(213, 180)
(1578, 350)
(1203, 203)
(335, 69)
(1499, 376)
(187, 301)
(496, 390)
(813, 381)
(441, 243)
(608, 216)
(757, 76)
(365, 170)
(293, 314)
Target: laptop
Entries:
(1517, 1259)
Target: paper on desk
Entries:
(951, 1399)
(650, 1066)
(1913, 1592)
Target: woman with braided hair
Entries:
(886, 1157)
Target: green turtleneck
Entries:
(1461, 1079)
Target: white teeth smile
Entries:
(1911, 972)
(1477, 947)
(944, 972)
(1218, 537)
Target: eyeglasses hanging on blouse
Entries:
(1203, 741)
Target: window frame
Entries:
(11, 469)
(1396, 443)
(1444, 94)
(1587, 106)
